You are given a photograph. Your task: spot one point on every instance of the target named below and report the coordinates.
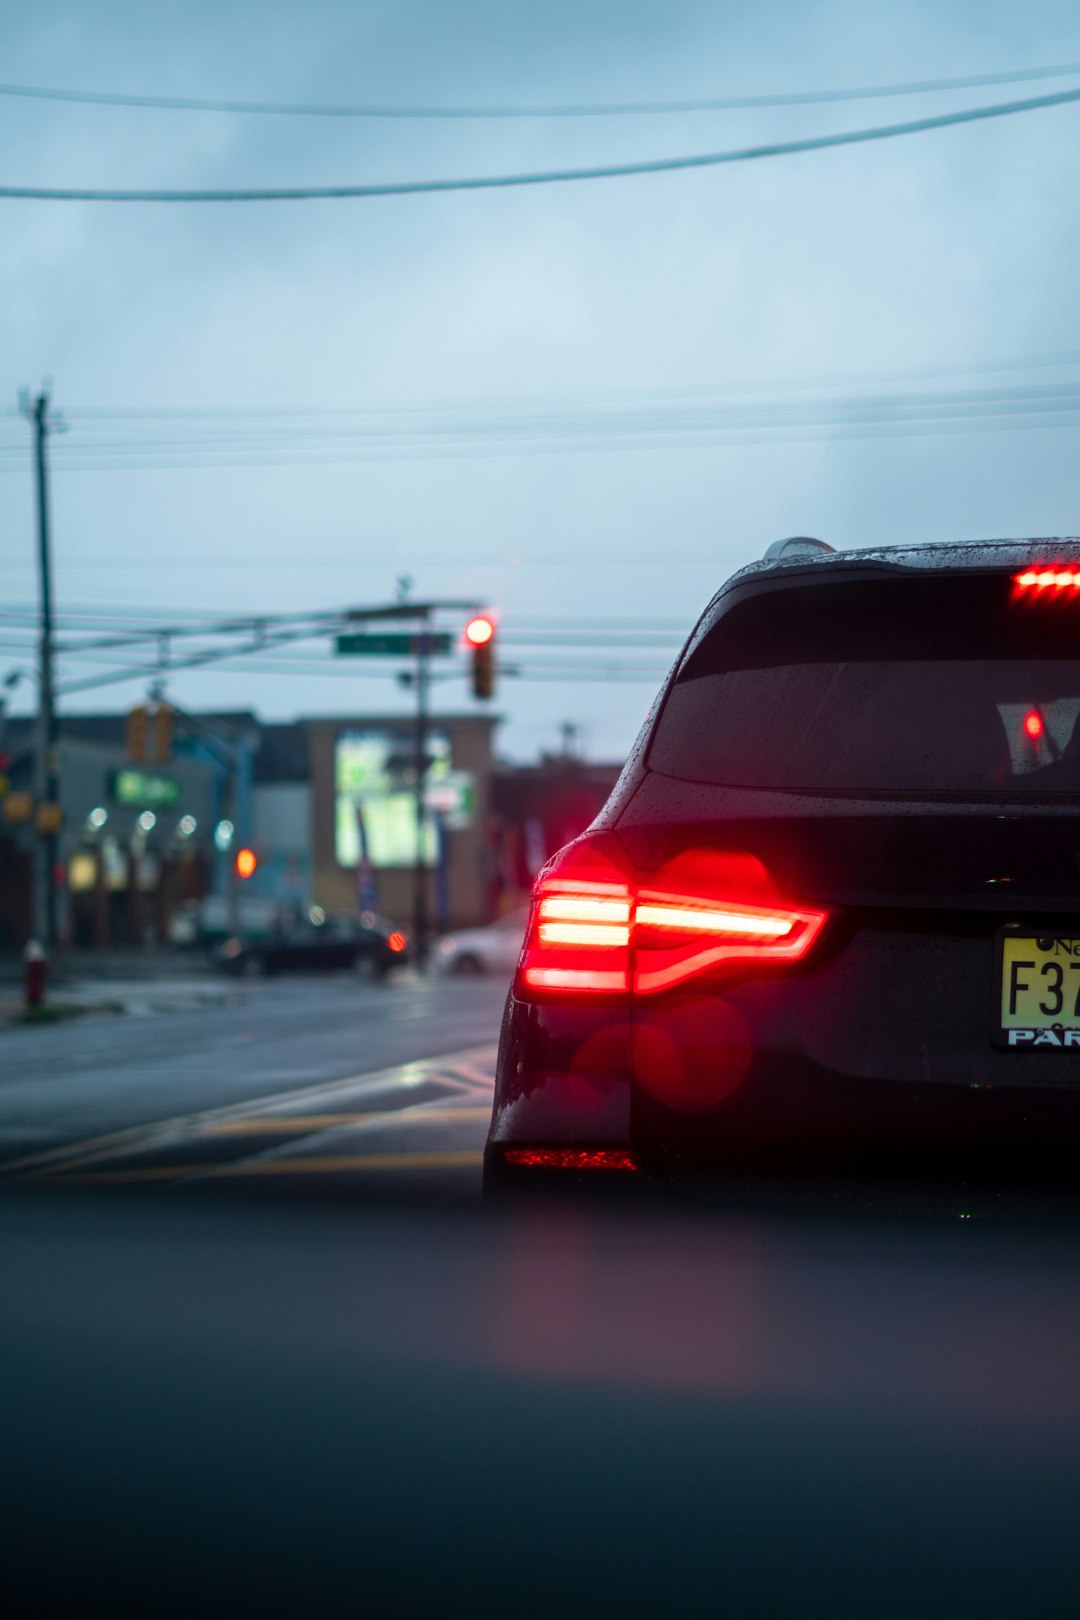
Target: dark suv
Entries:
(833, 903)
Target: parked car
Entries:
(832, 906)
(217, 918)
(494, 948)
(320, 947)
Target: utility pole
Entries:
(46, 784)
(420, 893)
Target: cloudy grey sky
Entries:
(948, 250)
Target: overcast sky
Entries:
(950, 249)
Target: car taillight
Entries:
(597, 929)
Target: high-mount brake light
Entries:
(602, 934)
(1040, 580)
(1034, 725)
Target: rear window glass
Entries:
(945, 685)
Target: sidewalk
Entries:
(105, 994)
(124, 962)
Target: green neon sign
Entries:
(142, 790)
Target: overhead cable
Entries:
(584, 109)
(525, 430)
(542, 177)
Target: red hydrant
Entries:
(36, 972)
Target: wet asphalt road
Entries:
(287, 1079)
(258, 1401)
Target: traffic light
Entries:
(138, 722)
(480, 637)
(163, 734)
(246, 862)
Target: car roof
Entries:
(804, 556)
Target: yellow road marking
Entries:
(272, 1124)
(157, 1172)
(332, 1164)
(340, 1162)
(441, 1069)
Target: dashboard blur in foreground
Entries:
(247, 1409)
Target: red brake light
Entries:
(396, 941)
(596, 929)
(1040, 580)
(1033, 725)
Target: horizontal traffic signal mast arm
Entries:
(265, 632)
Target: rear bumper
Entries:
(685, 1093)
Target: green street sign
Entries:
(394, 643)
(143, 790)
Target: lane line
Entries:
(174, 1172)
(298, 1126)
(414, 1073)
(306, 1124)
(338, 1163)
(335, 1164)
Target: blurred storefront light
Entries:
(82, 872)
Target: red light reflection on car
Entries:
(571, 1158)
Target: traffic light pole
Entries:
(420, 891)
(46, 774)
(232, 771)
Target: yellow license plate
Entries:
(1040, 991)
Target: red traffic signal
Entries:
(479, 631)
(480, 637)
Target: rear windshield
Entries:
(938, 686)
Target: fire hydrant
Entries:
(35, 974)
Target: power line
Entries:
(543, 177)
(573, 674)
(502, 405)
(713, 439)
(511, 419)
(15, 614)
(676, 424)
(1043, 360)
(587, 109)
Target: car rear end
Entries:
(833, 907)
(387, 945)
